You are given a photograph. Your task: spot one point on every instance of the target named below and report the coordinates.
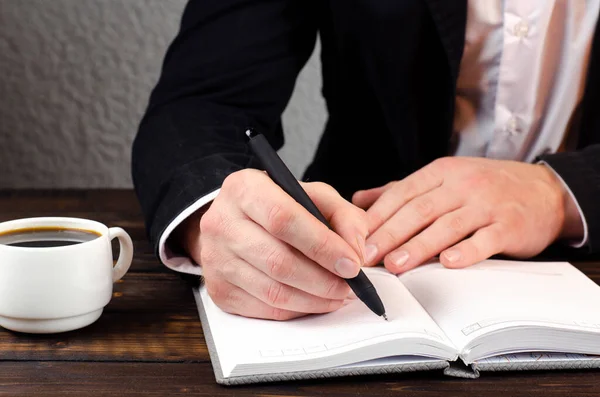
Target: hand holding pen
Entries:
(265, 256)
(360, 284)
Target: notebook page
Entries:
(494, 294)
(240, 340)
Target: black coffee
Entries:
(43, 237)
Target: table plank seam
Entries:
(199, 361)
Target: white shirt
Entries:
(522, 75)
(521, 78)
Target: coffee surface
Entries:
(44, 237)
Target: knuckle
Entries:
(216, 223)
(471, 182)
(389, 185)
(278, 314)
(361, 215)
(487, 212)
(391, 236)
(493, 233)
(278, 265)
(424, 207)
(407, 189)
(444, 163)
(375, 219)
(361, 218)
(210, 222)
(234, 182)
(430, 175)
(457, 225)
(332, 288)
(350, 220)
(333, 305)
(279, 220)
(469, 255)
(481, 180)
(319, 249)
(474, 251)
(240, 183)
(493, 239)
(276, 294)
(323, 188)
(420, 247)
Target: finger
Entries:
(399, 194)
(444, 232)
(483, 244)
(283, 263)
(234, 300)
(365, 198)
(348, 221)
(274, 293)
(409, 220)
(269, 206)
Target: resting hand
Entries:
(466, 210)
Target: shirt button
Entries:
(521, 29)
(512, 126)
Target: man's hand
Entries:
(265, 256)
(466, 210)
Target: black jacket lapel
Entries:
(450, 17)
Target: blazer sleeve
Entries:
(233, 65)
(581, 172)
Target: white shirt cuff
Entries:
(182, 264)
(585, 226)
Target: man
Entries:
(464, 128)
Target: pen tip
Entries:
(384, 316)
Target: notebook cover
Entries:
(320, 374)
(537, 361)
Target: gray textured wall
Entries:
(75, 76)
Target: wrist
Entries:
(571, 223)
(187, 234)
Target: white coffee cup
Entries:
(58, 289)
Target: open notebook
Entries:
(497, 315)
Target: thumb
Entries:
(346, 219)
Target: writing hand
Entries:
(265, 256)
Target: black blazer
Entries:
(389, 80)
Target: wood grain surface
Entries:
(149, 341)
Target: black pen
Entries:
(282, 176)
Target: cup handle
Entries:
(126, 254)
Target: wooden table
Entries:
(149, 340)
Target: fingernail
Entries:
(370, 253)
(452, 255)
(399, 258)
(346, 268)
(352, 295)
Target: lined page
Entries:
(494, 294)
(240, 340)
